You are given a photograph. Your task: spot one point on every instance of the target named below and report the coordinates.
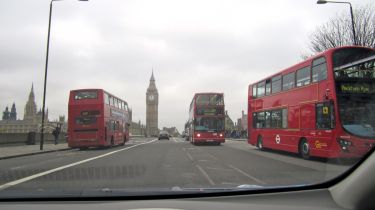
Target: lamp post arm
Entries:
(351, 16)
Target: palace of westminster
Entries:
(31, 119)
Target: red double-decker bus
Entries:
(207, 119)
(96, 118)
(323, 106)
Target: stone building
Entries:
(229, 125)
(137, 129)
(31, 120)
(152, 101)
(242, 122)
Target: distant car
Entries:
(163, 135)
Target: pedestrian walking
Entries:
(56, 133)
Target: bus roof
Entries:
(306, 62)
(90, 89)
(207, 93)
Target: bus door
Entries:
(325, 123)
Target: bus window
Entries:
(116, 102)
(284, 118)
(86, 95)
(260, 121)
(254, 120)
(114, 125)
(276, 84)
(85, 120)
(111, 100)
(254, 91)
(268, 87)
(303, 76)
(319, 69)
(106, 98)
(267, 119)
(276, 119)
(203, 100)
(261, 89)
(288, 81)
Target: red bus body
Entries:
(207, 118)
(96, 119)
(319, 111)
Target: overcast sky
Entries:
(192, 45)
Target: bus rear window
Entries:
(85, 120)
(86, 95)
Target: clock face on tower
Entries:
(151, 97)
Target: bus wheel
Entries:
(123, 143)
(304, 149)
(260, 143)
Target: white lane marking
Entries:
(174, 140)
(219, 169)
(189, 156)
(247, 175)
(13, 183)
(205, 175)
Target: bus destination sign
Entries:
(356, 88)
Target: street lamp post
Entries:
(45, 75)
(351, 15)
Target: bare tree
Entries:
(337, 32)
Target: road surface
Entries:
(146, 164)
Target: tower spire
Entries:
(152, 75)
(30, 108)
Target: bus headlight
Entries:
(345, 144)
(198, 135)
(221, 135)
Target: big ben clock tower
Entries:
(152, 101)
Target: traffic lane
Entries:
(269, 169)
(155, 166)
(167, 165)
(321, 164)
(20, 167)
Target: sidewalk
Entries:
(11, 151)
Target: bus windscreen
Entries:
(209, 124)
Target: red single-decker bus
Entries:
(96, 118)
(207, 119)
(323, 106)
